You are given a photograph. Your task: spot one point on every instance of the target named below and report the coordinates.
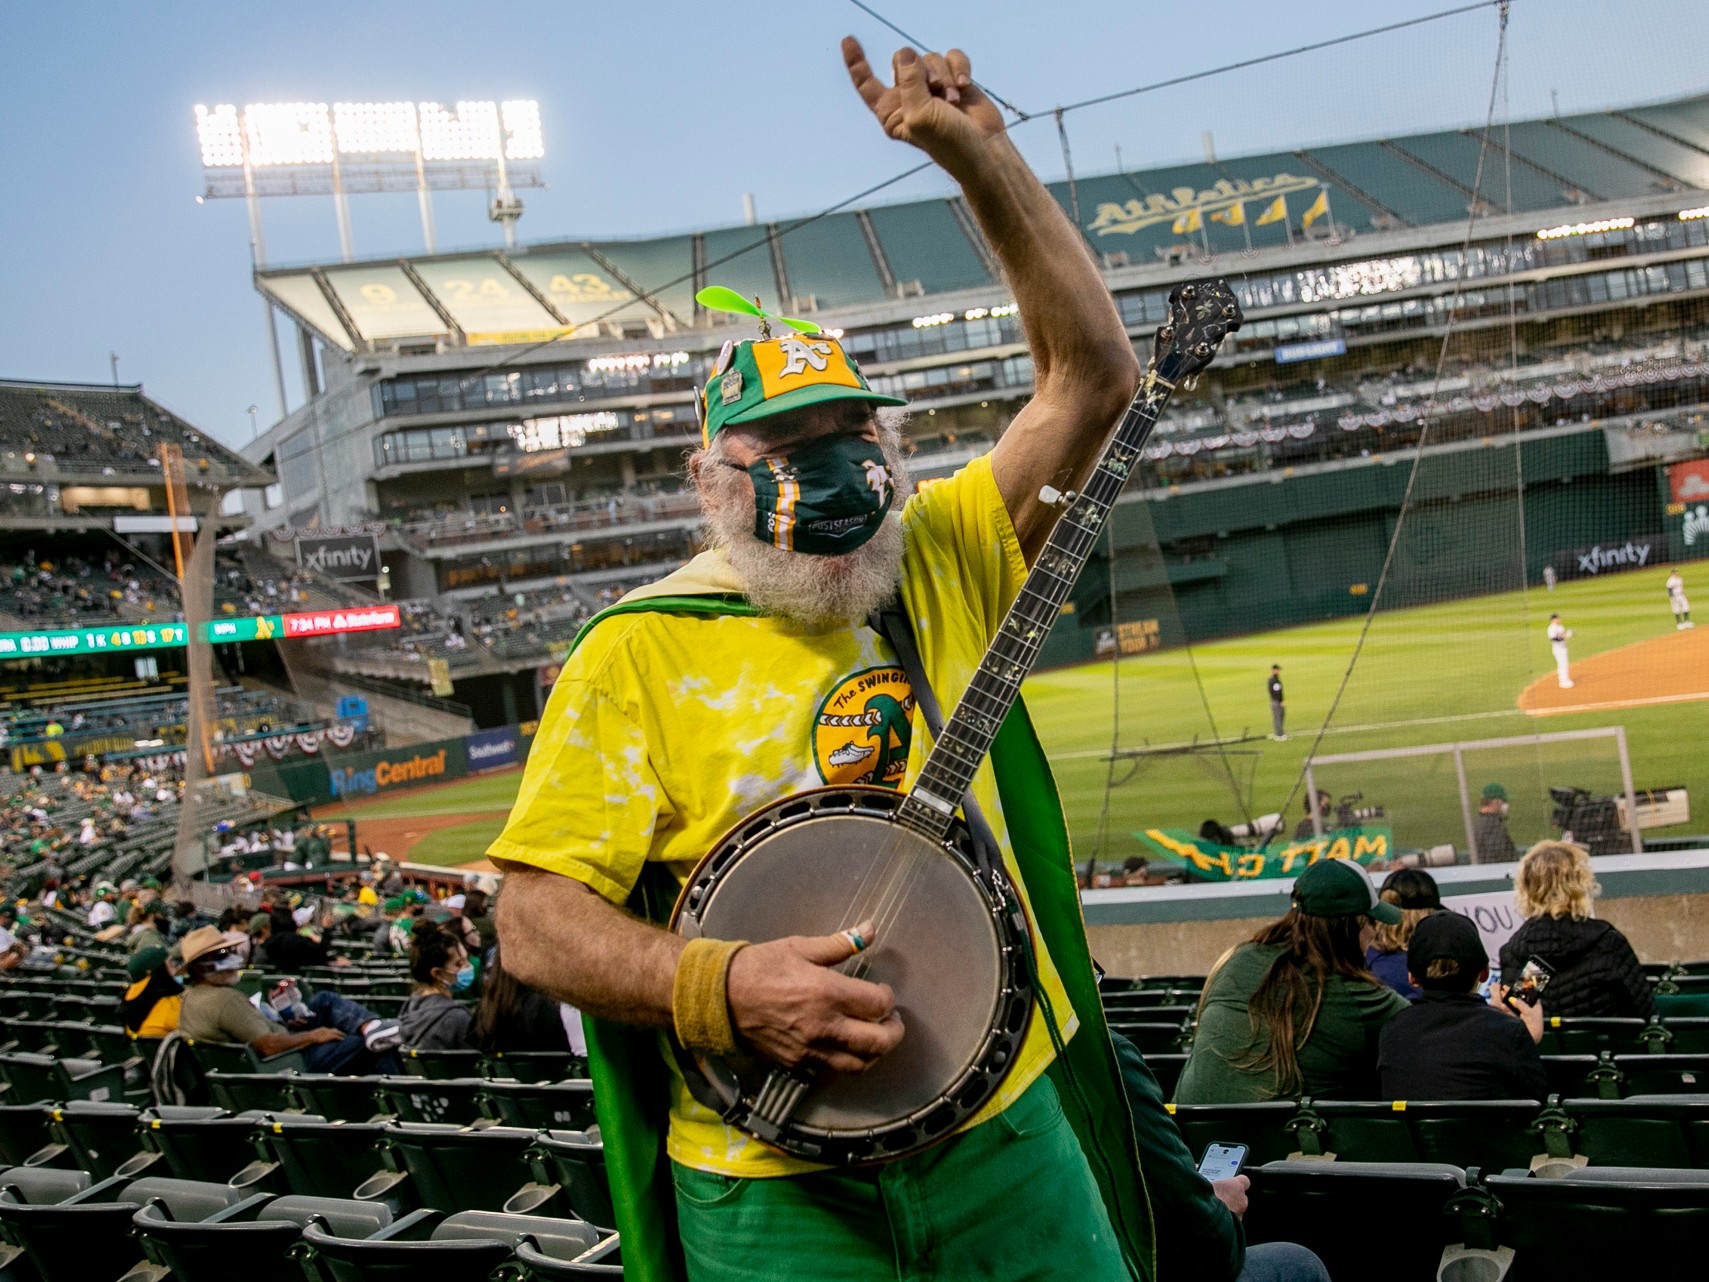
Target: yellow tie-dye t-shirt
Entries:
(664, 730)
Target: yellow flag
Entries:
(1274, 212)
(1234, 215)
(1192, 220)
(1319, 208)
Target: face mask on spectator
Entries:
(231, 961)
(464, 979)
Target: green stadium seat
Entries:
(334, 1096)
(456, 1166)
(536, 1066)
(259, 1232)
(1571, 1075)
(318, 1158)
(1648, 1133)
(1687, 1035)
(465, 1247)
(1492, 1135)
(87, 1235)
(1603, 1223)
(454, 1100)
(209, 1144)
(540, 1106)
(44, 1077)
(440, 1065)
(23, 1131)
(1155, 1038)
(1261, 1127)
(234, 1058)
(1345, 1212)
(246, 1092)
(1167, 1070)
(1591, 1036)
(569, 1169)
(1662, 1074)
(1354, 1132)
(100, 1138)
(602, 1261)
(1694, 1123)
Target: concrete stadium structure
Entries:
(512, 423)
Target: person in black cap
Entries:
(1451, 1045)
(1294, 1011)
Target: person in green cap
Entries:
(152, 1002)
(697, 699)
(1293, 1011)
(1492, 844)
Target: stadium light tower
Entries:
(357, 148)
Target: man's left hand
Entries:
(934, 103)
(1232, 1194)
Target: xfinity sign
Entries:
(344, 556)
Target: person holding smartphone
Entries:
(1450, 1044)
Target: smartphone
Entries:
(1222, 1161)
(1533, 979)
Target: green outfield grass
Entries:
(1427, 675)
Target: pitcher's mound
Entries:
(1673, 668)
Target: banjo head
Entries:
(819, 862)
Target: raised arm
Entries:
(1084, 369)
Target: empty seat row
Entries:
(72, 1228)
(1670, 1131)
(464, 1101)
(1421, 1222)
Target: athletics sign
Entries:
(1212, 862)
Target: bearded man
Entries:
(752, 674)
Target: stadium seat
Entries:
(416, 1099)
(334, 1096)
(1570, 1075)
(569, 1167)
(1662, 1074)
(539, 1262)
(23, 1131)
(208, 1144)
(536, 1066)
(244, 1092)
(1684, 1036)
(1354, 1132)
(1493, 1135)
(100, 1138)
(1345, 1212)
(441, 1065)
(1591, 1036)
(258, 1232)
(1649, 1132)
(44, 1077)
(210, 1056)
(464, 1247)
(1167, 1070)
(1155, 1038)
(1603, 1222)
(318, 1158)
(87, 1236)
(468, 1168)
(540, 1106)
(1261, 1127)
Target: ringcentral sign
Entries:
(343, 556)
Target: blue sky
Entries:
(658, 117)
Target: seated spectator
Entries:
(154, 998)
(1198, 1223)
(187, 917)
(335, 1035)
(1413, 891)
(153, 928)
(105, 908)
(1293, 1011)
(288, 951)
(1303, 830)
(433, 1019)
(476, 914)
(458, 924)
(12, 949)
(1595, 970)
(513, 1017)
(1451, 1044)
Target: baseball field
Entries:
(1473, 669)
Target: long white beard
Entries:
(797, 585)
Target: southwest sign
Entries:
(1212, 862)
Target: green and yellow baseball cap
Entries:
(754, 380)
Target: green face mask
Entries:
(824, 498)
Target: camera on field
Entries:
(1591, 821)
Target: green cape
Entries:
(631, 1082)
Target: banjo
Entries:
(951, 937)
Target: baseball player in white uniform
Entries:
(1558, 634)
(1677, 603)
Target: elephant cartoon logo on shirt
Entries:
(861, 732)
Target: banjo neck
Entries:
(1200, 316)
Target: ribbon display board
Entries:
(1212, 862)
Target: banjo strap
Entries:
(891, 622)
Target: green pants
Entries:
(1010, 1200)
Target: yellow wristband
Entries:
(700, 1005)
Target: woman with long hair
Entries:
(1294, 1011)
(1414, 892)
(514, 1017)
(433, 1019)
(1595, 970)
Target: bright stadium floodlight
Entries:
(1586, 229)
(1686, 215)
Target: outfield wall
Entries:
(1271, 550)
(356, 776)
(1660, 901)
